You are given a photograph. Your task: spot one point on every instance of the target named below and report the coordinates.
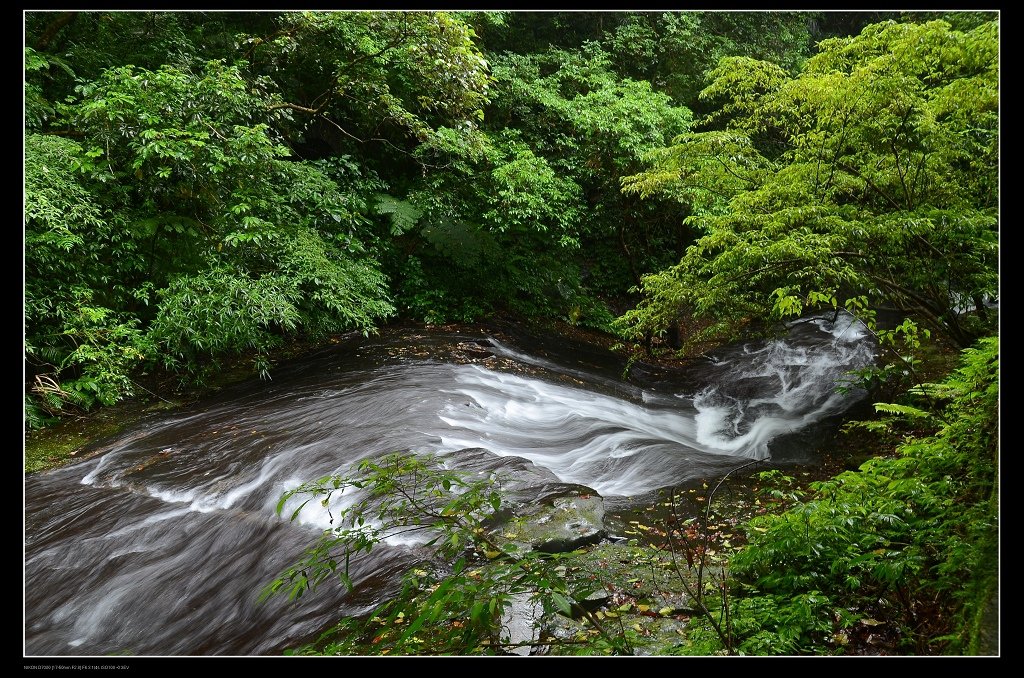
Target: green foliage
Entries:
(441, 297)
(860, 175)
(503, 217)
(96, 350)
(527, 194)
(58, 209)
(450, 603)
(674, 50)
(333, 292)
(671, 50)
(895, 540)
(196, 145)
(222, 311)
(574, 106)
(787, 625)
(69, 330)
(218, 312)
(416, 72)
(38, 109)
(108, 346)
(175, 231)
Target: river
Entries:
(160, 544)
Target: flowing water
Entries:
(161, 544)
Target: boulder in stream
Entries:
(565, 517)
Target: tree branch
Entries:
(296, 107)
(853, 170)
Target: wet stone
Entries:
(568, 518)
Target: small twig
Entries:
(151, 393)
(698, 596)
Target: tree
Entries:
(594, 127)
(675, 50)
(506, 216)
(870, 175)
(188, 223)
(396, 79)
(80, 346)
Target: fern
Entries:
(905, 410)
(403, 213)
(936, 391)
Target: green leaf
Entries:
(905, 410)
(562, 604)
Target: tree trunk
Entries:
(62, 20)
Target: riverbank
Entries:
(79, 435)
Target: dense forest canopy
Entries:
(200, 185)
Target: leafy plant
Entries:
(453, 601)
(894, 541)
(857, 176)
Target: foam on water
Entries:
(767, 390)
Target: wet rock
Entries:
(563, 518)
(596, 600)
(538, 511)
(520, 624)
(515, 475)
(475, 349)
(660, 636)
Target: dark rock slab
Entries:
(563, 517)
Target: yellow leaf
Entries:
(643, 608)
(492, 554)
(664, 611)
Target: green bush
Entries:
(910, 539)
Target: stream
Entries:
(161, 543)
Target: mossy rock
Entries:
(566, 517)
